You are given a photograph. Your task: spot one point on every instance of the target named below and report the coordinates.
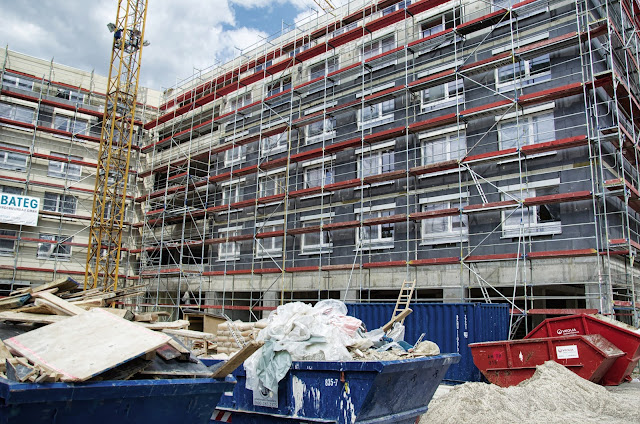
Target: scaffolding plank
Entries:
(340, 225)
(435, 261)
(561, 253)
(346, 37)
(418, 216)
(434, 167)
(482, 22)
(387, 176)
(385, 220)
(385, 135)
(438, 121)
(558, 198)
(482, 207)
(549, 146)
(343, 184)
(489, 156)
(385, 264)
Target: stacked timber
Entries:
(233, 335)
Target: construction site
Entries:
(436, 155)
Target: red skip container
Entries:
(507, 363)
(624, 339)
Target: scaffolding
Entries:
(486, 150)
(50, 120)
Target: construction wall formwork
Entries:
(488, 151)
(50, 121)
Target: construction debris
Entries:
(553, 395)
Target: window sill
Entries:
(445, 238)
(381, 246)
(316, 251)
(49, 258)
(235, 258)
(440, 173)
(534, 156)
(228, 211)
(315, 196)
(380, 184)
(266, 205)
(441, 104)
(267, 255)
(15, 127)
(544, 231)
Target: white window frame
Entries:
(18, 82)
(527, 79)
(379, 242)
(11, 111)
(328, 131)
(71, 95)
(235, 155)
(379, 153)
(395, 7)
(230, 188)
(535, 228)
(382, 117)
(61, 202)
(56, 251)
(383, 46)
(269, 147)
(448, 100)
(277, 178)
(346, 28)
(527, 122)
(7, 158)
(270, 247)
(64, 169)
(278, 86)
(447, 139)
(328, 175)
(11, 190)
(328, 65)
(325, 245)
(449, 235)
(239, 101)
(224, 254)
(69, 124)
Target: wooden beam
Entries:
(59, 305)
(236, 360)
(402, 315)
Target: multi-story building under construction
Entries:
(487, 150)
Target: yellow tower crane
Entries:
(110, 193)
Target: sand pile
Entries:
(553, 395)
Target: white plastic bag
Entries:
(397, 332)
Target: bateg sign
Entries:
(19, 210)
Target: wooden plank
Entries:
(146, 317)
(122, 313)
(33, 309)
(62, 284)
(168, 352)
(402, 315)
(87, 344)
(175, 325)
(184, 352)
(236, 360)
(190, 334)
(61, 304)
(13, 302)
(26, 317)
(51, 308)
(4, 355)
(124, 371)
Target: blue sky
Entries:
(185, 35)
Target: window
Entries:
(397, 6)
(240, 101)
(323, 68)
(317, 241)
(63, 203)
(70, 171)
(318, 175)
(272, 184)
(7, 242)
(72, 96)
(321, 130)
(447, 94)
(264, 66)
(270, 246)
(535, 220)
(379, 46)
(17, 112)
(273, 144)
(439, 24)
(376, 114)
(445, 229)
(527, 129)
(234, 156)
(346, 28)
(524, 73)
(18, 82)
(375, 236)
(375, 162)
(12, 160)
(10, 190)
(54, 249)
(443, 148)
(67, 123)
(231, 192)
(278, 86)
(229, 250)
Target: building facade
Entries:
(50, 123)
(486, 150)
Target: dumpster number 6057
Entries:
(328, 382)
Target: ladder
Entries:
(404, 298)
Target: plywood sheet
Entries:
(87, 344)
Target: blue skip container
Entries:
(341, 392)
(183, 401)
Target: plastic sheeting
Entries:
(298, 332)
